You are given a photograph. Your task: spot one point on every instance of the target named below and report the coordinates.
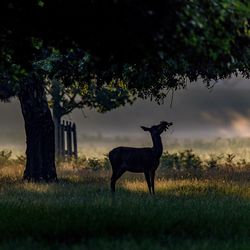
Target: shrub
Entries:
(185, 159)
(229, 159)
(20, 160)
(214, 161)
(98, 164)
(94, 163)
(5, 157)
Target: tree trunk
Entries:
(40, 135)
(56, 98)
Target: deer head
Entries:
(158, 129)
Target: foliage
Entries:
(214, 161)
(5, 157)
(182, 160)
(95, 164)
(179, 161)
(82, 163)
(69, 87)
(101, 98)
(187, 159)
(20, 160)
(150, 46)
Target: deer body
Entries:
(135, 160)
(138, 160)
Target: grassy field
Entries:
(204, 208)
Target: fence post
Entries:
(62, 140)
(74, 140)
(58, 146)
(69, 139)
(57, 136)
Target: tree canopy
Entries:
(150, 45)
(75, 91)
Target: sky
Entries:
(196, 112)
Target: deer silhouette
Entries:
(139, 160)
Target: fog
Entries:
(196, 112)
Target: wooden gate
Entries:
(66, 145)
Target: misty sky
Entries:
(196, 112)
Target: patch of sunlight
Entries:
(189, 187)
(35, 187)
(11, 172)
(135, 185)
(160, 185)
(241, 190)
(74, 178)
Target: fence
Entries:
(66, 141)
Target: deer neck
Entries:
(157, 145)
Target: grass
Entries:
(192, 209)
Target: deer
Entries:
(139, 160)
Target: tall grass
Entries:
(194, 207)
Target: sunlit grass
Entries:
(190, 187)
(192, 209)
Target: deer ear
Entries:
(145, 128)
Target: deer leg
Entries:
(112, 184)
(147, 176)
(153, 181)
(115, 177)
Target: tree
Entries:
(150, 46)
(80, 94)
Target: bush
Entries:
(20, 160)
(98, 164)
(94, 163)
(213, 162)
(5, 157)
(185, 159)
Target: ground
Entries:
(205, 209)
